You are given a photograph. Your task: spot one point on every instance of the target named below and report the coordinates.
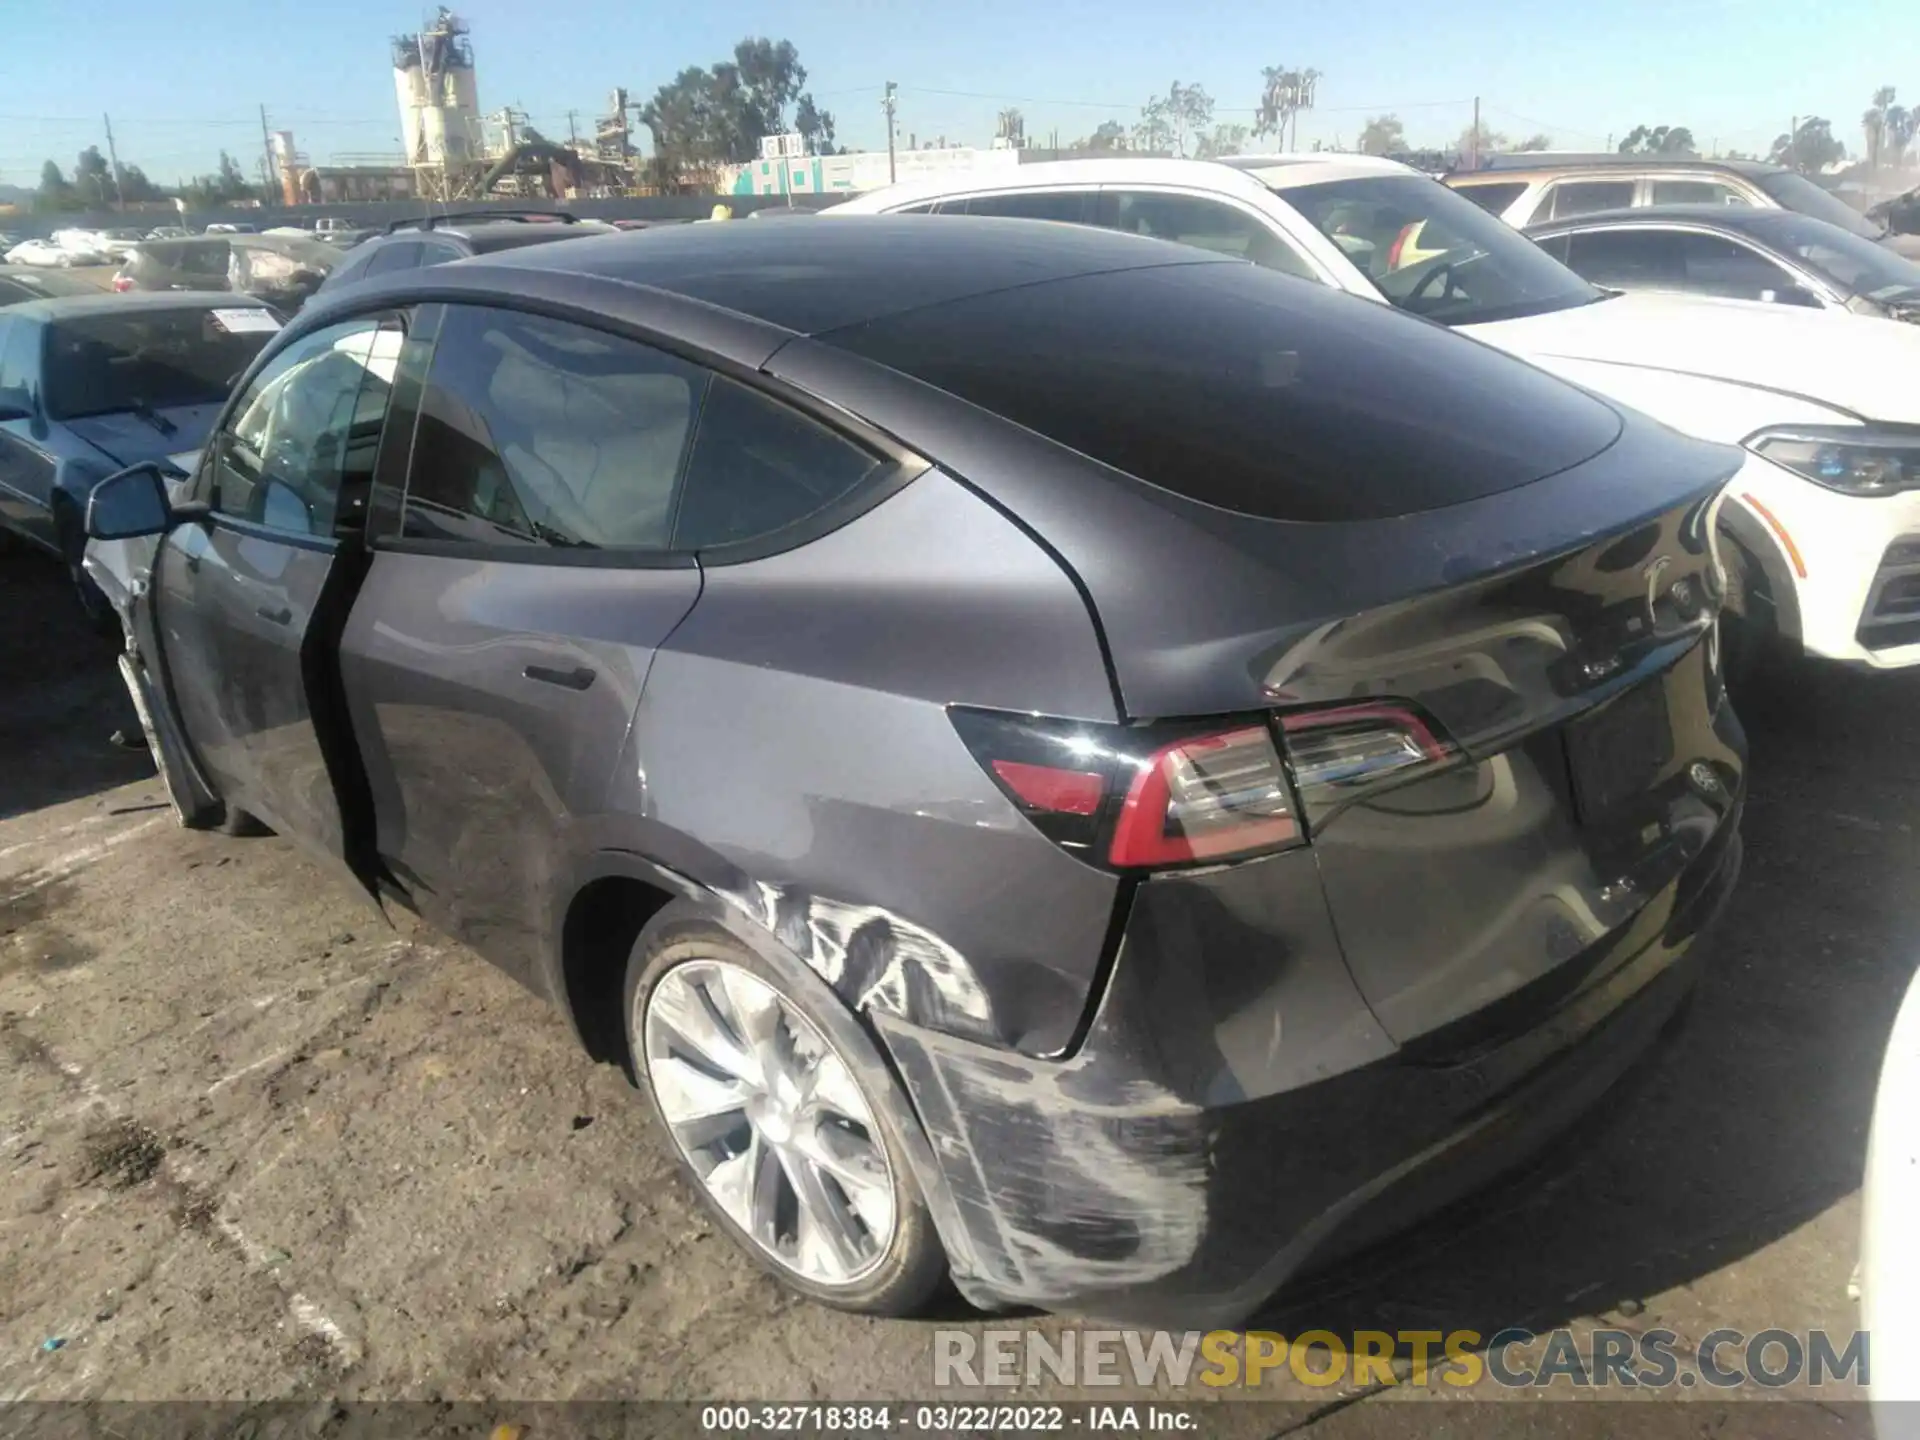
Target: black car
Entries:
(1736, 253)
(436, 239)
(21, 283)
(1057, 756)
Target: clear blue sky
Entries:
(183, 78)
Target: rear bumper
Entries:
(1236, 1115)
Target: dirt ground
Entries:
(258, 1144)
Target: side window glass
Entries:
(538, 432)
(1695, 192)
(1585, 197)
(1639, 259)
(1720, 267)
(439, 252)
(400, 255)
(298, 454)
(1073, 206)
(1207, 225)
(759, 466)
(20, 357)
(1492, 198)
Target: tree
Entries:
(1475, 143)
(1658, 140)
(1012, 128)
(55, 193)
(92, 180)
(815, 126)
(1224, 140)
(1382, 135)
(1874, 123)
(1153, 131)
(1534, 143)
(135, 185)
(1284, 94)
(1900, 126)
(1166, 121)
(1107, 135)
(229, 183)
(708, 117)
(1809, 149)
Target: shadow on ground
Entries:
(1752, 1117)
(63, 696)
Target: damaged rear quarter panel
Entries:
(794, 756)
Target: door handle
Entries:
(578, 678)
(274, 617)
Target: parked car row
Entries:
(1823, 521)
(1062, 759)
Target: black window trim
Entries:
(900, 465)
(1806, 279)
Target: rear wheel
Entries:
(767, 1097)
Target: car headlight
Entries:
(1855, 460)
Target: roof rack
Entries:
(427, 222)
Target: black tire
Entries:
(914, 1268)
(95, 609)
(1745, 651)
(235, 821)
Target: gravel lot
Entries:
(258, 1144)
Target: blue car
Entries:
(92, 384)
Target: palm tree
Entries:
(1283, 95)
(1900, 127)
(1874, 122)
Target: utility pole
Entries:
(887, 104)
(1473, 141)
(573, 135)
(266, 154)
(113, 159)
(1793, 144)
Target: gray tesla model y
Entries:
(1061, 760)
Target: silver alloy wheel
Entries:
(771, 1119)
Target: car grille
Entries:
(1892, 615)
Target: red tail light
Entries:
(1206, 798)
(122, 284)
(1136, 797)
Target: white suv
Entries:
(1825, 514)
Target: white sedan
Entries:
(1824, 517)
(42, 252)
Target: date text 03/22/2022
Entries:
(944, 1418)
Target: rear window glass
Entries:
(1242, 389)
(100, 364)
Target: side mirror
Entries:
(128, 504)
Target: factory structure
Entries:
(450, 149)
